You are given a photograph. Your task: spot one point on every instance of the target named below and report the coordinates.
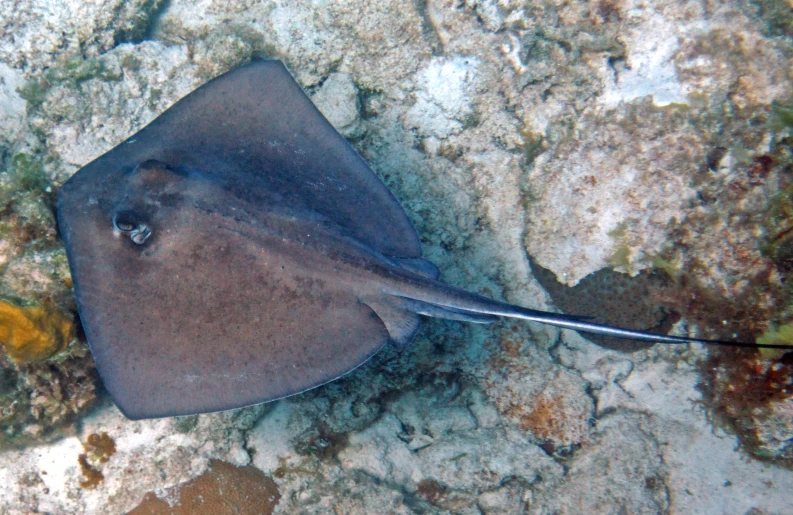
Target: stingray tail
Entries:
(451, 303)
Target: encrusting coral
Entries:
(30, 334)
(223, 489)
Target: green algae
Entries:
(781, 116)
(26, 215)
(777, 243)
(29, 172)
(777, 14)
(779, 223)
(621, 257)
(71, 73)
(24, 173)
(34, 92)
(184, 425)
(47, 377)
(783, 335)
(670, 268)
(472, 119)
(131, 62)
(533, 145)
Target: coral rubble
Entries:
(627, 148)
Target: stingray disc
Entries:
(201, 250)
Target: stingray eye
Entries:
(132, 225)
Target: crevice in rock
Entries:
(142, 25)
(428, 28)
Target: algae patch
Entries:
(30, 334)
(621, 258)
(101, 446)
(98, 449)
(781, 336)
(47, 377)
(71, 72)
(28, 173)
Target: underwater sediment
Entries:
(590, 140)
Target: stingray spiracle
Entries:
(132, 225)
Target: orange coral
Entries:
(33, 333)
(224, 489)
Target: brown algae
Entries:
(98, 449)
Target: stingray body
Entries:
(237, 250)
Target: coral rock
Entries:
(223, 489)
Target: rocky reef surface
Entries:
(584, 156)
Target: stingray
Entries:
(237, 250)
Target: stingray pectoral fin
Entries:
(225, 361)
(187, 326)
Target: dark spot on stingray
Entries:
(237, 250)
